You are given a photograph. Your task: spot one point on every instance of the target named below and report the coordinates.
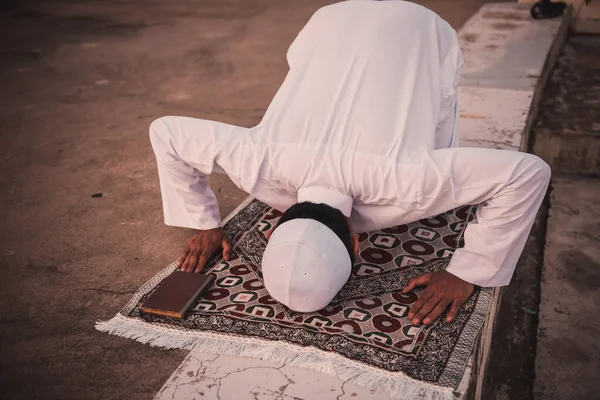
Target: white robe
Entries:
(365, 121)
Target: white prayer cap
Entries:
(305, 265)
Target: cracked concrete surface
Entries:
(217, 377)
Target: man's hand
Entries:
(201, 246)
(443, 290)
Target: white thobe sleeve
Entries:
(509, 187)
(186, 151)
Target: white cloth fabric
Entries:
(365, 121)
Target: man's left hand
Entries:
(443, 290)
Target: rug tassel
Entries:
(399, 386)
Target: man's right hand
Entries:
(201, 246)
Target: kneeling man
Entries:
(361, 136)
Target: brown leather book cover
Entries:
(176, 294)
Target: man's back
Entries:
(365, 76)
(358, 109)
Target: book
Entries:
(176, 294)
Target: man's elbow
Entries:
(534, 169)
(157, 127)
(543, 171)
(159, 133)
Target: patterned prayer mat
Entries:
(363, 335)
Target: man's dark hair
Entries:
(327, 215)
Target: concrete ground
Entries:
(79, 84)
(568, 351)
(567, 136)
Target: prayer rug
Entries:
(364, 335)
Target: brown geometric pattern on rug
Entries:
(367, 321)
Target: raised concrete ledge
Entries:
(505, 53)
(493, 118)
(504, 48)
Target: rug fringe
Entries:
(397, 384)
(125, 328)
